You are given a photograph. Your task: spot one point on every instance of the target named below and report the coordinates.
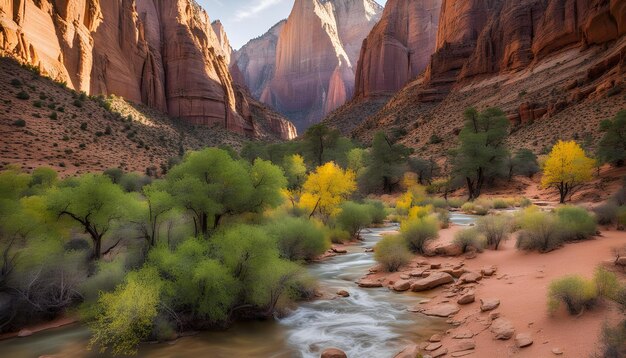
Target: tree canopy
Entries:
(567, 168)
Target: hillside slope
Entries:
(75, 134)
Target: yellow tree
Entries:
(325, 190)
(567, 168)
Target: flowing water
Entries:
(370, 323)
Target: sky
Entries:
(247, 19)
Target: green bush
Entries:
(456, 203)
(83, 126)
(377, 211)
(16, 82)
(133, 182)
(495, 228)
(337, 236)
(298, 238)
(574, 291)
(392, 253)
(78, 103)
(418, 231)
(576, 223)
(53, 116)
(540, 231)
(607, 283)
(501, 204)
(614, 341)
(19, 123)
(444, 218)
(469, 238)
(354, 217)
(475, 208)
(606, 214)
(23, 95)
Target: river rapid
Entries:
(370, 323)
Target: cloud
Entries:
(254, 10)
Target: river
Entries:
(370, 323)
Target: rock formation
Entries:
(399, 46)
(316, 49)
(222, 38)
(165, 54)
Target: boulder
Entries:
(557, 351)
(523, 340)
(456, 273)
(411, 351)
(466, 298)
(442, 310)
(464, 345)
(435, 266)
(489, 304)
(435, 338)
(369, 283)
(434, 280)
(502, 329)
(621, 261)
(470, 277)
(333, 353)
(338, 250)
(343, 293)
(463, 335)
(488, 271)
(402, 285)
(449, 249)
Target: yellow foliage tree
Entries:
(325, 190)
(567, 168)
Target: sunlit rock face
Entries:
(315, 54)
(165, 54)
(399, 46)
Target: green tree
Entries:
(426, 169)
(481, 152)
(525, 163)
(150, 211)
(386, 164)
(354, 217)
(612, 147)
(95, 203)
(298, 238)
(319, 139)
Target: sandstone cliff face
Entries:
(316, 49)
(222, 38)
(399, 46)
(162, 53)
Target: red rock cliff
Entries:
(162, 53)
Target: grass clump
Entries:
(419, 231)
(469, 238)
(495, 229)
(20, 123)
(23, 95)
(574, 291)
(576, 223)
(392, 253)
(540, 231)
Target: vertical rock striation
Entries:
(165, 54)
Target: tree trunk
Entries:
(205, 227)
(97, 247)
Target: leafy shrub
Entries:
(19, 123)
(502, 204)
(420, 211)
(444, 218)
(53, 116)
(418, 231)
(524, 203)
(614, 341)
(473, 208)
(377, 211)
(78, 103)
(392, 253)
(607, 283)
(353, 217)
(495, 228)
(16, 82)
(456, 203)
(83, 126)
(133, 182)
(38, 104)
(606, 214)
(298, 238)
(574, 291)
(23, 95)
(576, 223)
(337, 236)
(469, 238)
(435, 139)
(540, 231)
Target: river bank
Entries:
(515, 283)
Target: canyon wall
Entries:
(304, 67)
(399, 47)
(165, 54)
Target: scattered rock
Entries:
(433, 347)
(463, 335)
(464, 345)
(456, 273)
(436, 279)
(25, 333)
(411, 351)
(502, 329)
(343, 293)
(369, 283)
(439, 353)
(488, 271)
(621, 261)
(435, 266)
(557, 351)
(523, 340)
(435, 338)
(369, 250)
(462, 354)
(494, 315)
(405, 276)
(470, 277)
(333, 353)
(450, 249)
(402, 285)
(442, 310)
(466, 298)
(417, 273)
(339, 250)
(489, 304)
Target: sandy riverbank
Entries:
(520, 283)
